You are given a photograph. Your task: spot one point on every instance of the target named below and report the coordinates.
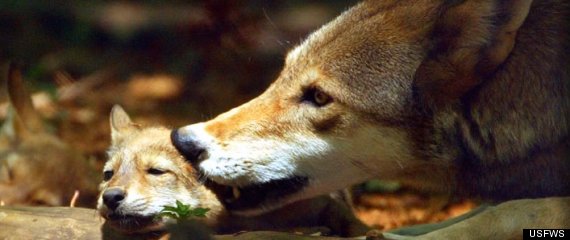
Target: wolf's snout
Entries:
(113, 197)
(187, 144)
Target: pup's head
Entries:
(345, 107)
(144, 173)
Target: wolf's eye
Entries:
(155, 171)
(316, 97)
(107, 175)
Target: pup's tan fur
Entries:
(470, 96)
(37, 168)
(135, 150)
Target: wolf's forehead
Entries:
(339, 30)
(366, 34)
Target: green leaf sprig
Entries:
(182, 211)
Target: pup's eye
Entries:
(316, 97)
(107, 175)
(155, 171)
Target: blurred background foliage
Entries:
(225, 52)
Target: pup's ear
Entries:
(22, 120)
(470, 40)
(120, 121)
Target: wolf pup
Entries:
(37, 168)
(145, 173)
(472, 96)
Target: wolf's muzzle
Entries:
(188, 145)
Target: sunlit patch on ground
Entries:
(387, 211)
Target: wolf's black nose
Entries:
(187, 144)
(113, 197)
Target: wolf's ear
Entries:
(470, 40)
(120, 121)
(22, 120)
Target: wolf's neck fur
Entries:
(502, 148)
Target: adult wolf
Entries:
(472, 96)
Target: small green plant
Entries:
(182, 211)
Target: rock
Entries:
(49, 223)
(82, 223)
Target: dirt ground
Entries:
(393, 210)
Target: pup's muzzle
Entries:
(113, 197)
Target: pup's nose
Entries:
(187, 144)
(113, 197)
